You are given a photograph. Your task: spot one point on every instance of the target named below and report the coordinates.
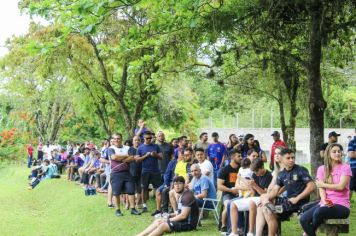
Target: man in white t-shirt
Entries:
(47, 151)
(121, 179)
(206, 167)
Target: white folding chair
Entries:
(215, 208)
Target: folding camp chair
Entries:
(215, 208)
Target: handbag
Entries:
(307, 206)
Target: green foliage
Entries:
(172, 63)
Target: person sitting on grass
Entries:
(298, 184)
(333, 179)
(185, 219)
(46, 171)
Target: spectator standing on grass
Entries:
(40, 151)
(203, 142)
(174, 143)
(182, 144)
(29, 155)
(136, 169)
(232, 143)
(332, 180)
(248, 144)
(149, 154)
(121, 180)
(142, 128)
(205, 165)
(167, 152)
(217, 155)
(332, 139)
(277, 142)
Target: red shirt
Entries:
(274, 145)
(30, 150)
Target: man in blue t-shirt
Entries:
(202, 187)
(149, 154)
(217, 154)
(142, 128)
(351, 153)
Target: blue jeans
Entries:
(29, 161)
(216, 172)
(208, 204)
(313, 217)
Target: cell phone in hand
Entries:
(329, 202)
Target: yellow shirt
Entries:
(181, 170)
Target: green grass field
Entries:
(59, 207)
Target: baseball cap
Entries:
(275, 133)
(333, 134)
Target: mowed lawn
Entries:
(59, 207)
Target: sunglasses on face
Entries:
(148, 138)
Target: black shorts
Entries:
(153, 178)
(122, 182)
(353, 180)
(137, 183)
(180, 226)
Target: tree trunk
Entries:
(291, 82)
(282, 118)
(317, 103)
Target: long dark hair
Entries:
(247, 137)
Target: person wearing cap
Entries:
(277, 143)
(203, 142)
(332, 139)
(217, 155)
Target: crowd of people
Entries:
(183, 175)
